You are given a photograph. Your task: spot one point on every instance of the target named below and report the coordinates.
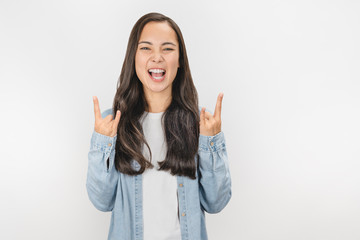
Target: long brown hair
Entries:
(180, 120)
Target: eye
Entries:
(144, 48)
(168, 49)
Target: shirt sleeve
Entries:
(214, 174)
(102, 177)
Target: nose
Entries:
(157, 57)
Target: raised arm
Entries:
(214, 174)
(102, 176)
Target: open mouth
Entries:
(157, 74)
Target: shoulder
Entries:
(106, 112)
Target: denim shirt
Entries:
(110, 190)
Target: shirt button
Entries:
(183, 214)
(180, 184)
(212, 143)
(109, 144)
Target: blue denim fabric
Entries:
(110, 190)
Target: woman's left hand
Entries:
(210, 125)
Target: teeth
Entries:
(156, 70)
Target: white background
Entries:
(290, 75)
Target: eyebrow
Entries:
(164, 43)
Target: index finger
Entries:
(96, 108)
(217, 112)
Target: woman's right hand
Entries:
(105, 126)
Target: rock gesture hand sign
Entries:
(210, 125)
(105, 126)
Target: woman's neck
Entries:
(158, 103)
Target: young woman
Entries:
(161, 161)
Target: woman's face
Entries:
(157, 58)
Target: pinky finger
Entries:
(117, 118)
(202, 115)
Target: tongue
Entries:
(156, 74)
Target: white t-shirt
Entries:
(160, 201)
